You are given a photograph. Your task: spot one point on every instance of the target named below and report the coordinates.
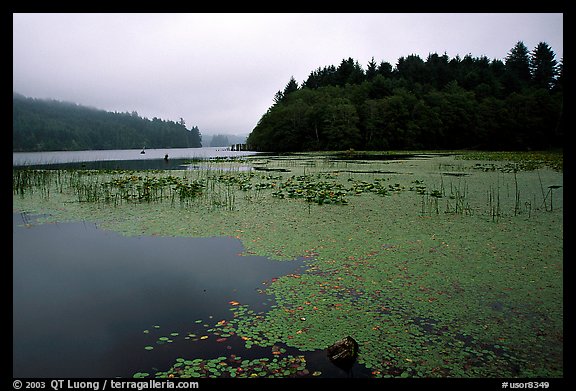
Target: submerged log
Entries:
(343, 353)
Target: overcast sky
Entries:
(220, 71)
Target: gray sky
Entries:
(220, 71)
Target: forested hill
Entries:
(50, 125)
(437, 103)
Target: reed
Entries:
(31, 180)
(459, 196)
(494, 202)
(224, 185)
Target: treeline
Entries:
(437, 103)
(50, 125)
(225, 140)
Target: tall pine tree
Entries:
(371, 69)
(543, 66)
(290, 87)
(518, 67)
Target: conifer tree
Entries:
(543, 66)
(518, 67)
(371, 69)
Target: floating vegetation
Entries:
(313, 191)
(373, 155)
(136, 188)
(222, 189)
(234, 366)
(516, 161)
(278, 363)
(434, 275)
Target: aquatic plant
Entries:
(513, 160)
(401, 283)
(234, 366)
(320, 192)
(30, 180)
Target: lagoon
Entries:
(151, 157)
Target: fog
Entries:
(220, 71)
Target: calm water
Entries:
(123, 158)
(83, 297)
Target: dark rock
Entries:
(343, 353)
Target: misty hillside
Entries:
(223, 140)
(50, 125)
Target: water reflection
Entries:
(83, 296)
(154, 157)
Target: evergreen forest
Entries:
(51, 125)
(437, 103)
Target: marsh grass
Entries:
(29, 181)
(221, 184)
(400, 265)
